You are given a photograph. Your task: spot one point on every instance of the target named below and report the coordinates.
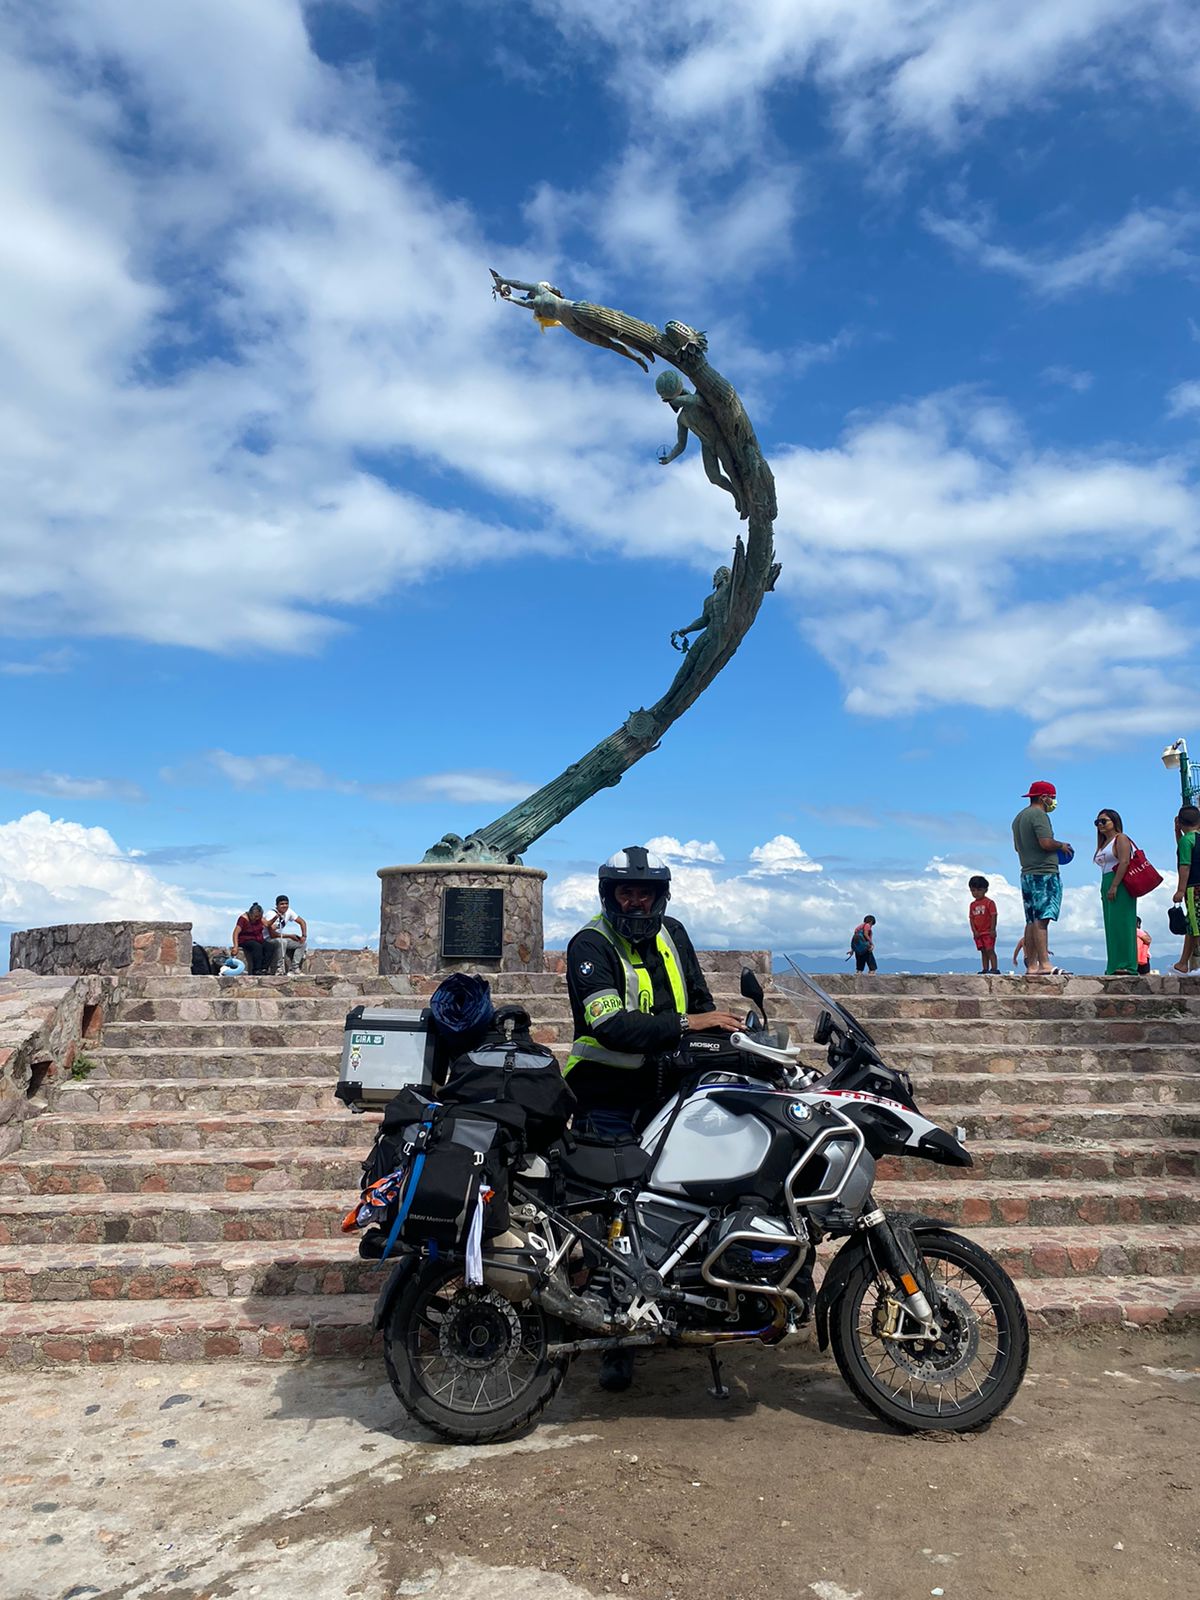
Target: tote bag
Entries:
(1140, 876)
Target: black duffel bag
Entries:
(435, 1170)
(508, 1068)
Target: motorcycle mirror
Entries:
(750, 986)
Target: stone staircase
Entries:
(182, 1201)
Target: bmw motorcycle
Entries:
(705, 1233)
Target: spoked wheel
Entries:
(955, 1383)
(465, 1361)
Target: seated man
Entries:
(287, 937)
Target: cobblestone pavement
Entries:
(306, 1483)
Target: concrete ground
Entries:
(308, 1483)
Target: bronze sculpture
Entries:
(735, 463)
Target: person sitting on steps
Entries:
(287, 937)
(249, 940)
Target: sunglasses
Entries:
(1100, 821)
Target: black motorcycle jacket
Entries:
(595, 971)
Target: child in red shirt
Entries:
(983, 916)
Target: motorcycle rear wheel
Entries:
(966, 1380)
(465, 1362)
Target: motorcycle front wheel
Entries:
(957, 1383)
(466, 1362)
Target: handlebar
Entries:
(780, 1057)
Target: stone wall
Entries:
(410, 917)
(71, 948)
(43, 1021)
(320, 963)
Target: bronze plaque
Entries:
(472, 924)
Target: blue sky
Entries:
(312, 552)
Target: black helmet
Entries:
(635, 864)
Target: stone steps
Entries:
(330, 1267)
(208, 1061)
(299, 1216)
(1158, 1204)
(189, 1272)
(279, 1003)
(298, 1327)
(208, 1096)
(279, 1169)
(176, 1218)
(108, 1132)
(253, 1328)
(258, 1169)
(184, 1198)
(1024, 1158)
(326, 1033)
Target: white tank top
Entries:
(1106, 857)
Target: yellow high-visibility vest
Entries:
(606, 1002)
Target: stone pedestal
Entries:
(410, 918)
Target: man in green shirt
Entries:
(1041, 886)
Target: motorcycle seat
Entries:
(603, 1164)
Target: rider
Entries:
(636, 989)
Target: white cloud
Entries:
(654, 197)
(58, 871)
(694, 850)
(1184, 399)
(294, 773)
(1145, 240)
(919, 531)
(158, 490)
(890, 68)
(779, 857)
(47, 662)
(1069, 378)
(58, 786)
(922, 912)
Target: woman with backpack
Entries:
(862, 945)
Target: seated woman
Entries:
(248, 934)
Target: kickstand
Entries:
(718, 1390)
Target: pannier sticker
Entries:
(365, 1038)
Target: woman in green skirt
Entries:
(1113, 851)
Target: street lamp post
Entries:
(1175, 758)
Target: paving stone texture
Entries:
(181, 1201)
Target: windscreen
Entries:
(811, 1000)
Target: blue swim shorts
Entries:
(1042, 894)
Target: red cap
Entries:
(1039, 791)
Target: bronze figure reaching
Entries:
(735, 463)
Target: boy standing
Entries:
(1187, 891)
(983, 917)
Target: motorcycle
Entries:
(705, 1234)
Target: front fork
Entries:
(896, 1256)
